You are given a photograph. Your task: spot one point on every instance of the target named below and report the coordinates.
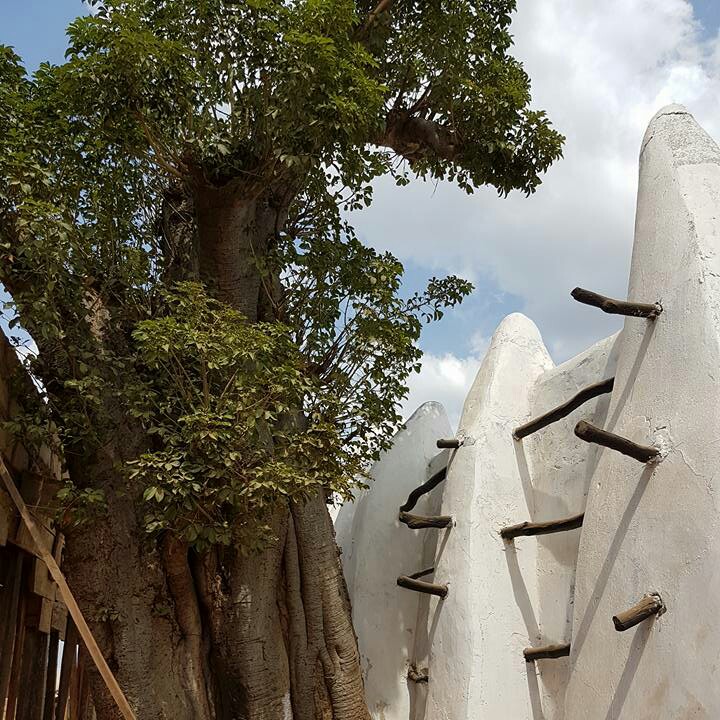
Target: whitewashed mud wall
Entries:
(651, 527)
(376, 548)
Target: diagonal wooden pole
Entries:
(67, 596)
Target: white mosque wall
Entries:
(377, 548)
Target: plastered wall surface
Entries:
(647, 528)
(655, 528)
(376, 548)
(480, 629)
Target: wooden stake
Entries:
(52, 676)
(67, 596)
(642, 453)
(617, 307)
(66, 669)
(650, 605)
(418, 676)
(561, 411)
(542, 528)
(546, 652)
(417, 522)
(451, 443)
(412, 582)
(425, 488)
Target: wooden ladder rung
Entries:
(413, 582)
(651, 604)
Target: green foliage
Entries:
(214, 420)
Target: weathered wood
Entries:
(542, 528)
(617, 307)
(423, 489)
(14, 687)
(411, 582)
(31, 696)
(650, 605)
(67, 596)
(67, 667)
(10, 623)
(51, 679)
(547, 652)
(449, 443)
(642, 453)
(417, 522)
(561, 411)
(418, 676)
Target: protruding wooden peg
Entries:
(651, 604)
(542, 528)
(617, 307)
(426, 487)
(418, 522)
(546, 652)
(418, 676)
(412, 582)
(561, 411)
(642, 453)
(452, 443)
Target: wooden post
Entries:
(561, 411)
(617, 307)
(31, 695)
(451, 443)
(425, 488)
(650, 605)
(546, 652)
(542, 528)
(417, 522)
(642, 453)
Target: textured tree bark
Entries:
(226, 635)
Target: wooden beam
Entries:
(547, 652)
(542, 528)
(67, 596)
(425, 488)
(642, 453)
(67, 667)
(650, 605)
(10, 623)
(561, 411)
(417, 522)
(449, 443)
(617, 307)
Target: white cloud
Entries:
(601, 70)
(443, 378)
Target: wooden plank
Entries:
(17, 660)
(52, 676)
(67, 596)
(67, 669)
(31, 699)
(10, 624)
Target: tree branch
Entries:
(414, 137)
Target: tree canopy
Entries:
(103, 164)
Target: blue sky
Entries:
(601, 70)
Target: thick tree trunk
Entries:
(226, 635)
